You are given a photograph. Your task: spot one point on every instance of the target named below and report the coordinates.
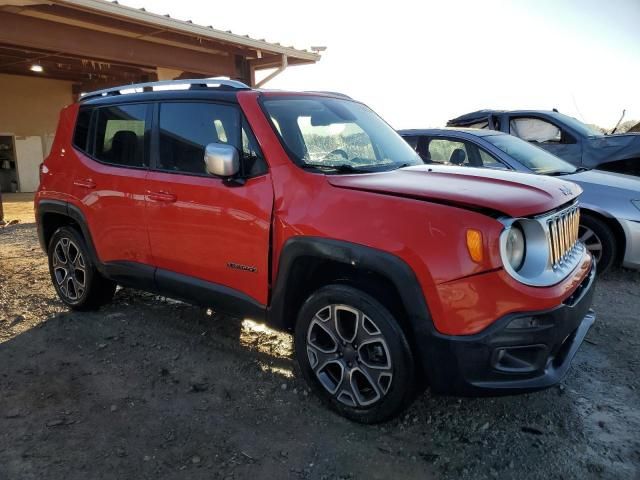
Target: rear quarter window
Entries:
(81, 132)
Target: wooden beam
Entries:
(55, 76)
(111, 79)
(91, 86)
(91, 44)
(56, 64)
(110, 23)
(10, 55)
(272, 61)
(243, 71)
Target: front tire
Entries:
(354, 354)
(599, 240)
(75, 278)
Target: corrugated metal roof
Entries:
(186, 26)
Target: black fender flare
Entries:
(385, 264)
(69, 210)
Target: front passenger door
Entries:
(445, 149)
(549, 136)
(203, 228)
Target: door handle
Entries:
(85, 183)
(162, 197)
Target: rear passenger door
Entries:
(112, 146)
(203, 228)
(446, 151)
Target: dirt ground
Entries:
(153, 388)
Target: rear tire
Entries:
(599, 240)
(75, 278)
(354, 355)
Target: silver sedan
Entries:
(610, 204)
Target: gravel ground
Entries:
(152, 388)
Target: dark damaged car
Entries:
(563, 136)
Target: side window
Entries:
(220, 131)
(277, 125)
(120, 135)
(535, 130)
(422, 148)
(489, 161)
(187, 128)
(253, 162)
(481, 125)
(448, 151)
(81, 133)
(412, 141)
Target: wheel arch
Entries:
(616, 229)
(307, 263)
(53, 214)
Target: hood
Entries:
(606, 179)
(510, 193)
(609, 148)
(618, 140)
(608, 193)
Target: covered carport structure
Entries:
(52, 51)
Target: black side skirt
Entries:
(192, 290)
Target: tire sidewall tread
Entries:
(608, 239)
(98, 290)
(403, 385)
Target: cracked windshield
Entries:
(339, 135)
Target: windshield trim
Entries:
(309, 168)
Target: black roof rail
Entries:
(166, 85)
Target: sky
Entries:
(420, 63)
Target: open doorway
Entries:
(8, 164)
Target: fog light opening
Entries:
(524, 322)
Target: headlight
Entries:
(636, 203)
(515, 247)
(527, 244)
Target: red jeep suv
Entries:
(308, 212)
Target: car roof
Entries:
(477, 132)
(473, 117)
(480, 115)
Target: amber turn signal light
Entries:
(474, 245)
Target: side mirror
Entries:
(221, 160)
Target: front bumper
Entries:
(632, 249)
(510, 358)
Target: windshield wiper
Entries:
(340, 167)
(559, 174)
(562, 172)
(403, 165)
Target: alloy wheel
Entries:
(349, 355)
(592, 241)
(69, 269)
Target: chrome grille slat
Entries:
(563, 235)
